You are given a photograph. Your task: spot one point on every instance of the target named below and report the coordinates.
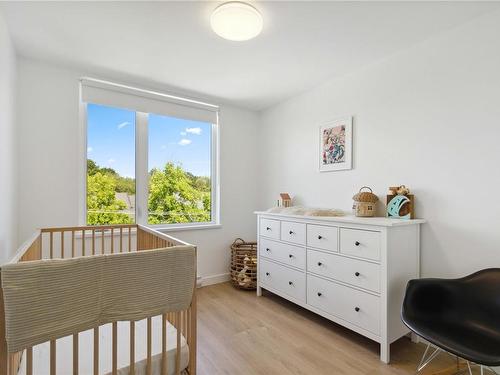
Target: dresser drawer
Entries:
(283, 279)
(359, 308)
(270, 228)
(360, 243)
(352, 271)
(322, 237)
(291, 255)
(293, 232)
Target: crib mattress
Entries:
(64, 359)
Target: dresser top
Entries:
(375, 221)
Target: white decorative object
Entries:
(350, 270)
(236, 21)
(335, 145)
(306, 211)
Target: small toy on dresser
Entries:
(364, 203)
(285, 200)
(400, 203)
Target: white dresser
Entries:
(350, 270)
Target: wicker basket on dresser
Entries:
(350, 270)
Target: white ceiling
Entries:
(302, 44)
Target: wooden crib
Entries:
(72, 242)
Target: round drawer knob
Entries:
(268, 249)
(356, 309)
(320, 264)
(319, 294)
(357, 273)
(320, 237)
(290, 256)
(290, 283)
(291, 232)
(268, 228)
(357, 243)
(267, 273)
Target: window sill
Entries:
(176, 228)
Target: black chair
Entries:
(459, 316)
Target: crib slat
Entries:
(62, 244)
(12, 364)
(102, 242)
(51, 245)
(29, 361)
(187, 336)
(112, 241)
(72, 244)
(178, 351)
(121, 240)
(186, 327)
(148, 363)
(132, 348)
(129, 240)
(53, 357)
(96, 351)
(115, 348)
(93, 241)
(83, 242)
(184, 323)
(164, 344)
(75, 354)
(192, 336)
(181, 323)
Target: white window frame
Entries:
(142, 175)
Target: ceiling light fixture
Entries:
(236, 21)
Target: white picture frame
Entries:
(335, 145)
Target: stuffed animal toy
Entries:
(243, 278)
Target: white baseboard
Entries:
(211, 280)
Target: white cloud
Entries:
(111, 161)
(183, 133)
(196, 131)
(123, 124)
(184, 142)
(89, 149)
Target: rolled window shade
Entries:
(121, 96)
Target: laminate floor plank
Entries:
(242, 334)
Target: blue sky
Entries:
(111, 141)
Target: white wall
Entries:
(428, 117)
(8, 167)
(49, 156)
(238, 168)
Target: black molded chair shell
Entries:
(461, 316)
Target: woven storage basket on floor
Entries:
(244, 264)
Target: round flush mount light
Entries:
(236, 21)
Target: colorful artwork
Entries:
(335, 145)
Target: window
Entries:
(110, 165)
(150, 158)
(179, 171)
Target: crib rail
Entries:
(68, 242)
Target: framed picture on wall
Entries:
(335, 145)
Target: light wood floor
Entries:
(239, 333)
